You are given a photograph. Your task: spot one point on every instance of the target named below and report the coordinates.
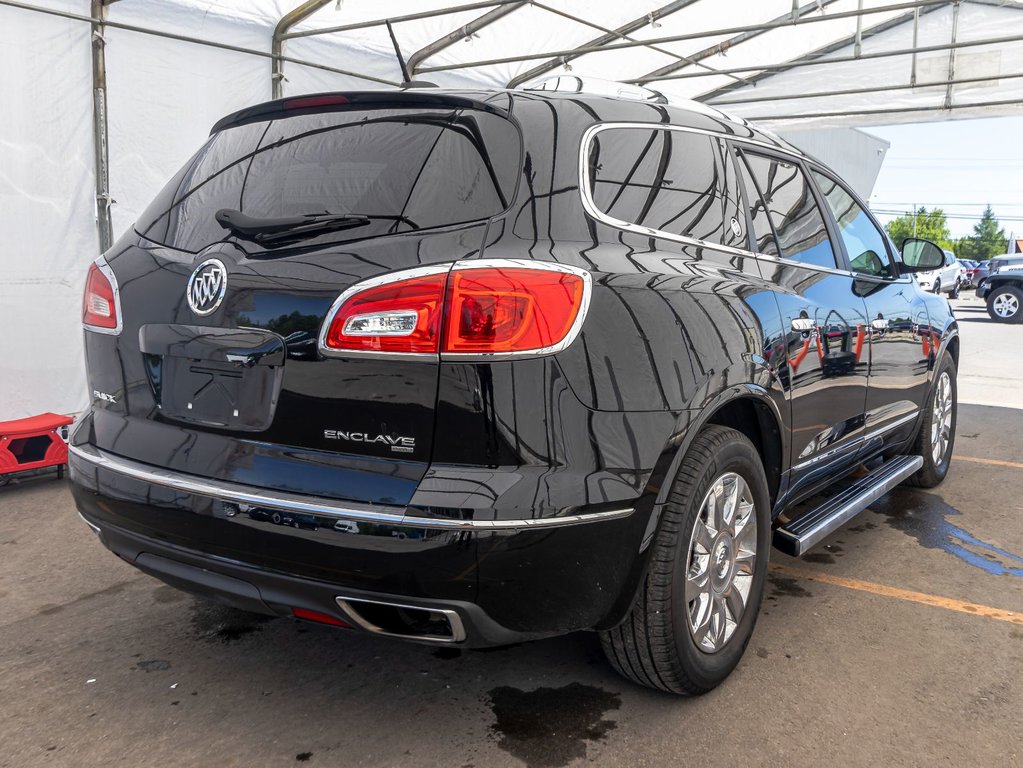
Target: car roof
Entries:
(664, 110)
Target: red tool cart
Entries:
(33, 443)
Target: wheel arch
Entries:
(750, 409)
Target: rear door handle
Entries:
(802, 324)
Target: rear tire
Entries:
(1005, 304)
(682, 634)
(936, 288)
(936, 438)
(954, 293)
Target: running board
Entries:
(807, 530)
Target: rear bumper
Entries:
(276, 594)
(500, 580)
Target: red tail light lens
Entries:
(402, 316)
(100, 310)
(479, 309)
(510, 309)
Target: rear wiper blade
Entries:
(279, 230)
(261, 230)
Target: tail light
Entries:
(101, 309)
(389, 316)
(490, 308)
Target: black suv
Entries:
(479, 367)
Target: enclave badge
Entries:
(206, 287)
(397, 443)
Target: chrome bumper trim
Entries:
(94, 528)
(314, 505)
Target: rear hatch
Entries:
(232, 386)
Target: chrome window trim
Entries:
(457, 357)
(590, 206)
(314, 505)
(101, 264)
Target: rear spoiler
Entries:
(331, 102)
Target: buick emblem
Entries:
(206, 287)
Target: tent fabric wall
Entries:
(47, 209)
(163, 96)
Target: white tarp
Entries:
(163, 96)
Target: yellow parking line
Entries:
(949, 604)
(993, 462)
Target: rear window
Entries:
(405, 169)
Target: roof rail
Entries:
(597, 86)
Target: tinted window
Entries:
(406, 169)
(864, 242)
(762, 229)
(673, 181)
(792, 210)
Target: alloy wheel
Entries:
(941, 418)
(722, 558)
(1005, 305)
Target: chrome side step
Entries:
(797, 537)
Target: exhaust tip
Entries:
(407, 622)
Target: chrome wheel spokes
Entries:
(1005, 305)
(941, 418)
(721, 561)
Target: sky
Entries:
(957, 165)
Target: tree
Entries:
(930, 225)
(988, 239)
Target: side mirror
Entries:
(919, 255)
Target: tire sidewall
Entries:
(937, 472)
(709, 669)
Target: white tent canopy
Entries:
(75, 144)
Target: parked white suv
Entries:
(948, 278)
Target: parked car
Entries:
(1003, 293)
(948, 278)
(580, 359)
(988, 267)
(970, 272)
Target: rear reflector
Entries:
(322, 618)
(100, 309)
(478, 309)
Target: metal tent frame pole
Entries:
(617, 34)
(837, 45)
(286, 22)
(788, 65)
(785, 19)
(788, 22)
(446, 11)
(466, 30)
(104, 223)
